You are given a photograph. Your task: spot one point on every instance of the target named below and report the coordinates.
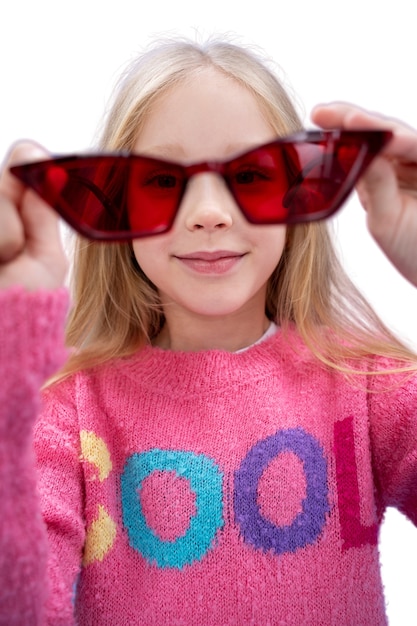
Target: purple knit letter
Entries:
(308, 524)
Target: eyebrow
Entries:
(168, 150)
(174, 151)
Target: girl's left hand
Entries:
(388, 189)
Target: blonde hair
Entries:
(116, 308)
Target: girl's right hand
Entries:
(31, 252)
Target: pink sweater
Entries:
(194, 488)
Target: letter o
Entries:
(308, 524)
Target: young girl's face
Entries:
(213, 265)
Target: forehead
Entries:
(207, 116)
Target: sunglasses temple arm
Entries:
(295, 184)
(105, 201)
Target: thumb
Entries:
(391, 213)
(378, 193)
(40, 223)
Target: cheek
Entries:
(149, 253)
(272, 245)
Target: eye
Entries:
(249, 176)
(162, 181)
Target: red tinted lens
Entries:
(109, 197)
(89, 192)
(154, 193)
(322, 174)
(259, 181)
(302, 179)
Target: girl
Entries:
(233, 419)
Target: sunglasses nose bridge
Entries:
(215, 167)
(207, 202)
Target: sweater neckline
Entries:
(177, 373)
(271, 330)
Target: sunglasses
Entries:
(117, 197)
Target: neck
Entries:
(196, 332)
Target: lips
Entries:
(211, 262)
(211, 256)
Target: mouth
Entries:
(211, 262)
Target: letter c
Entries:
(205, 480)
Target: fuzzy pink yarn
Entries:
(197, 488)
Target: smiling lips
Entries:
(217, 262)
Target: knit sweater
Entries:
(205, 488)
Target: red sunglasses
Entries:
(115, 197)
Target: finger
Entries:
(30, 222)
(21, 152)
(390, 216)
(346, 115)
(12, 238)
(378, 192)
(39, 221)
(41, 225)
(351, 117)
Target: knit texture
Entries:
(214, 489)
(31, 340)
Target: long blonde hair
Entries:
(116, 309)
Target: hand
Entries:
(31, 253)
(388, 189)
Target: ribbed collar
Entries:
(176, 372)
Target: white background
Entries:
(59, 62)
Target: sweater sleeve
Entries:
(60, 484)
(31, 349)
(393, 420)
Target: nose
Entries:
(207, 204)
